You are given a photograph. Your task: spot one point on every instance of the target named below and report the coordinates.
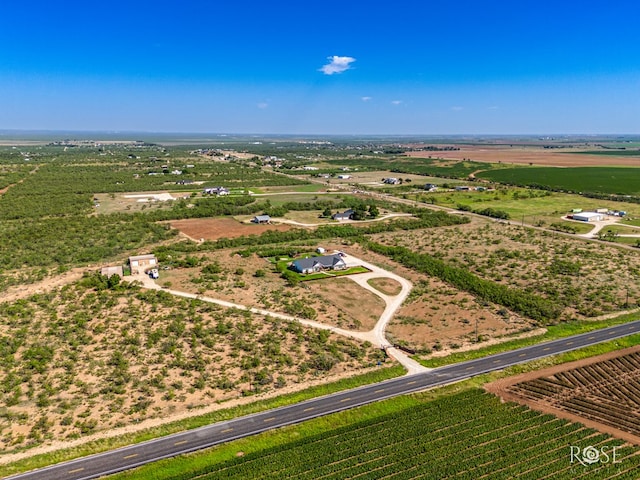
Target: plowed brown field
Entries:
(600, 392)
(535, 156)
(215, 228)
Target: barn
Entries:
(588, 217)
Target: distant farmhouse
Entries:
(216, 191)
(318, 264)
(261, 219)
(346, 215)
(139, 263)
(391, 181)
(430, 187)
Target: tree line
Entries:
(521, 301)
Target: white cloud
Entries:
(262, 105)
(396, 102)
(366, 99)
(337, 65)
(493, 107)
(457, 108)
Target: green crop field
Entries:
(465, 435)
(613, 180)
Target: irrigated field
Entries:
(467, 435)
(215, 228)
(602, 392)
(615, 180)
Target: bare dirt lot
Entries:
(600, 392)
(215, 228)
(530, 155)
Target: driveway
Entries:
(376, 336)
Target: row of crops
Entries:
(467, 435)
(605, 392)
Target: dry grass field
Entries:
(531, 155)
(586, 278)
(438, 318)
(78, 361)
(333, 301)
(215, 228)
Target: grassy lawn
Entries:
(522, 202)
(333, 273)
(309, 217)
(623, 230)
(283, 262)
(578, 227)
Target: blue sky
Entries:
(330, 67)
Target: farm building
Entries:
(588, 217)
(140, 263)
(261, 219)
(216, 191)
(108, 271)
(391, 181)
(344, 177)
(317, 264)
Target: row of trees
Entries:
(426, 219)
(523, 302)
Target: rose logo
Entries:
(590, 455)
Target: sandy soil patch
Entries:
(23, 291)
(151, 197)
(388, 286)
(526, 156)
(602, 387)
(215, 228)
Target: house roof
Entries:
(262, 218)
(108, 271)
(142, 257)
(326, 261)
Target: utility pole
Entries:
(626, 304)
(476, 329)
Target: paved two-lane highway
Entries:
(135, 455)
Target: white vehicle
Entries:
(153, 273)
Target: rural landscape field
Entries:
(438, 260)
(349, 240)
